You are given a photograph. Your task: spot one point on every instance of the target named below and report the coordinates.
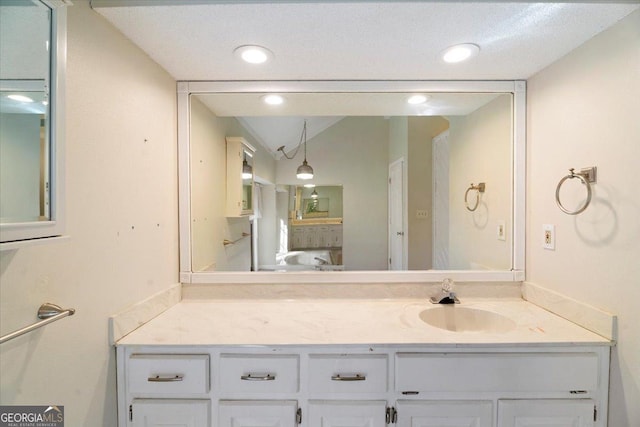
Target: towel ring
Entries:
(586, 176)
(479, 189)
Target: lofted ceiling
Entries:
(355, 40)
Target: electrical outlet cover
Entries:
(549, 236)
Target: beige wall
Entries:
(584, 110)
(122, 222)
(480, 151)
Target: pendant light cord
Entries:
(303, 137)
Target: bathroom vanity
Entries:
(361, 362)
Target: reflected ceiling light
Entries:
(314, 195)
(309, 185)
(253, 54)
(460, 52)
(417, 99)
(273, 99)
(305, 171)
(20, 98)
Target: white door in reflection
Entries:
(441, 201)
(397, 252)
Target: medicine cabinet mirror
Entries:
(411, 208)
(33, 52)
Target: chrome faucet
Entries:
(322, 260)
(446, 294)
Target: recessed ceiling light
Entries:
(253, 54)
(273, 99)
(20, 98)
(417, 99)
(460, 52)
(309, 185)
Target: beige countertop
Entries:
(348, 321)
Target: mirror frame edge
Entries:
(518, 157)
(16, 235)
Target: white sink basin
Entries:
(464, 319)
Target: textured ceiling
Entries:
(352, 40)
(362, 40)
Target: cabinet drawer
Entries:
(348, 373)
(259, 373)
(439, 372)
(151, 374)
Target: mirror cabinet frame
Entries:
(16, 235)
(516, 88)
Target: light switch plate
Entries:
(422, 214)
(501, 230)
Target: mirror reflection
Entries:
(403, 171)
(310, 237)
(24, 118)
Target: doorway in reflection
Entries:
(310, 234)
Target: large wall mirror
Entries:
(404, 188)
(33, 51)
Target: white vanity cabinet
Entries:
(316, 236)
(556, 385)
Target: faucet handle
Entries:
(447, 285)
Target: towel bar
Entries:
(48, 312)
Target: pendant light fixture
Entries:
(305, 171)
(314, 195)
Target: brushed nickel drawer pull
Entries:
(249, 377)
(159, 379)
(357, 377)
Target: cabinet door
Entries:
(310, 237)
(324, 239)
(170, 412)
(546, 412)
(348, 413)
(335, 232)
(421, 413)
(297, 238)
(257, 413)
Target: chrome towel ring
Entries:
(478, 189)
(587, 176)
